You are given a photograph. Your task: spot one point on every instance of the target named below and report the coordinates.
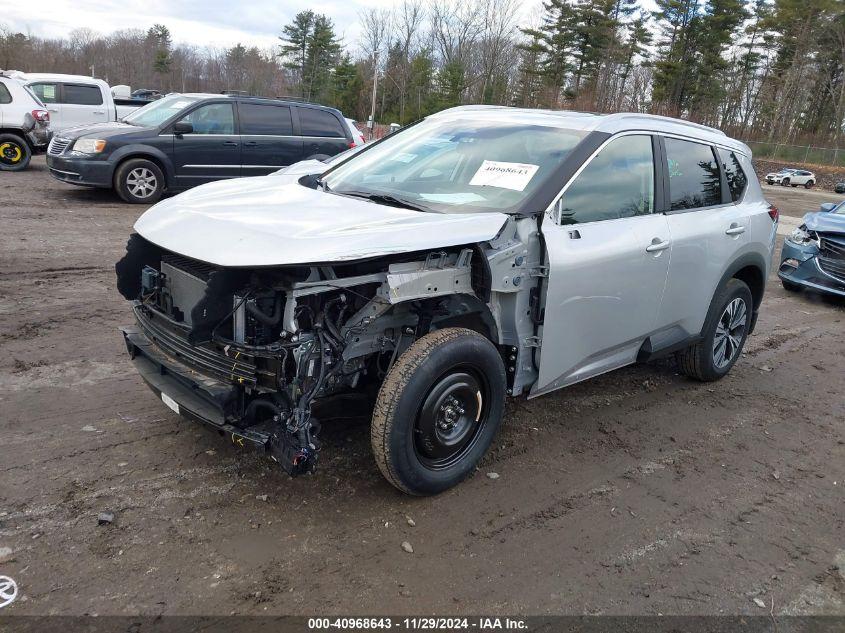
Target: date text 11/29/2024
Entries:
(418, 624)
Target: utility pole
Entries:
(92, 70)
(372, 121)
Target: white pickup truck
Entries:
(75, 100)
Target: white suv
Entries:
(792, 177)
(481, 253)
(24, 125)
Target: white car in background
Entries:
(75, 100)
(315, 166)
(793, 177)
(24, 125)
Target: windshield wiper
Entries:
(384, 198)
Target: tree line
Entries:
(759, 69)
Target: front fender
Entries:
(143, 151)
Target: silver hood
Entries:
(261, 221)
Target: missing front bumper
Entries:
(196, 397)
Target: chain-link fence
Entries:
(798, 153)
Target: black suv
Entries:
(183, 140)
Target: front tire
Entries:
(14, 153)
(438, 411)
(139, 181)
(784, 182)
(790, 287)
(725, 332)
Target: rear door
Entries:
(267, 139)
(82, 104)
(708, 228)
(608, 254)
(213, 150)
(322, 132)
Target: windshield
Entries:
(839, 209)
(157, 112)
(458, 165)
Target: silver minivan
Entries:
(482, 253)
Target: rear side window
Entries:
(76, 94)
(617, 183)
(737, 180)
(5, 95)
(319, 123)
(265, 119)
(48, 93)
(694, 179)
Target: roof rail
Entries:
(667, 119)
(239, 93)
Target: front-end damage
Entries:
(249, 351)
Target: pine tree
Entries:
(311, 49)
(159, 36)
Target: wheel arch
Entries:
(471, 313)
(15, 132)
(159, 158)
(749, 268)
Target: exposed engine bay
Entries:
(251, 349)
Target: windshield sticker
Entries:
(493, 173)
(178, 105)
(403, 158)
(49, 91)
(452, 198)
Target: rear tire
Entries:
(139, 181)
(725, 332)
(14, 153)
(809, 184)
(438, 411)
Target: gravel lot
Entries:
(639, 492)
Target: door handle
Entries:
(53, 109)
(250, 144)
(230, 143)
(735, 229)
(656, 245)
(99, 112)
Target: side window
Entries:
(214, 118)
(265, 119)
(617, 183)
(48, 93)
(76, 94)
(737, 180)
(694, 179)
(5, 95)
(319, 123)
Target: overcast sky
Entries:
(219, 23)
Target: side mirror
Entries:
(182, 128)
(827, 207)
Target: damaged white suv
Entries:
(484, 252)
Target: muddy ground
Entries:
(639, 492)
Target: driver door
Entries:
(608, 258)
(213, 150)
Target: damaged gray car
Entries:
(482, 253)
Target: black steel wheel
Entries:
(14, 153)
(451, 418)
(438, 410)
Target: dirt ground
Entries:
(639, 492)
